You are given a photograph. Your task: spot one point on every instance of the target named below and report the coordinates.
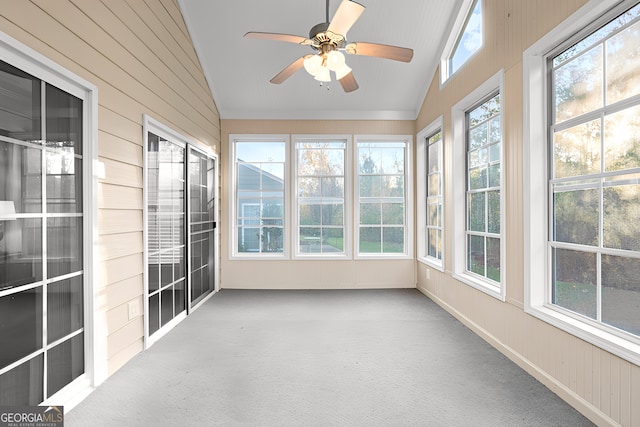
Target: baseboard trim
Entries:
(565, 393)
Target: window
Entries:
(430, 194)
(321, 186)
(483, 190)
(45, 220)
(465, 40)
(582, 275)
(259, 194)
(382, 196)
(479, 251)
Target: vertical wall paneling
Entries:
(601, 385)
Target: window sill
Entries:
(438, 265)
(599, 337)
(481, 285)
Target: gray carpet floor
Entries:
(322, 358)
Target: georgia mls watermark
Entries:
(31, 416)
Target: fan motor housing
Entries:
(324, 40)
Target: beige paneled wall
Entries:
(140, 56)
(603, 386)
(301, 274)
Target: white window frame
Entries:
(459, 158)
(536, 206)
(28, 60)
(348, 197)
(456, 33)
(408, 208)
(232, 226)
(422, 172)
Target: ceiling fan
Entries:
(329, 40)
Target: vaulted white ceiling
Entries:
(239, 69)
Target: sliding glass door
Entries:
(42, 276)
(180, 194)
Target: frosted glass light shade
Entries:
(313, 64)
(323, 75)
(335, 60)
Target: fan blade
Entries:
(347, 14)
(349, 83)
(278, 37)
(288, 71)
(380, 51)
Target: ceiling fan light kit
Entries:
(329, 39)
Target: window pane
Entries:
(64, 183)
(578, 85)
(622, 139)
(154, 313)
(272, 176)
(20, 252)
(478, 179)
(576, 216)
(65, 363)
(333, 187)
(623, 62)
(574, 281)
(248, 239)
(20, 113)
(370, 213)
(494, 175)
(64, 246)
(434, 155)
(370, 240)
(20, 325)
(470, 39)
(478, 136)
(393, 239)
(332, 240)
(64, 308)
(393, 213)
(310, 214)
(166, 306)
(310, 239)
(477, 217)
(485, 111)
(22, 183)
(22, 386)
(179, 297)
(64, 121)
(434, 245)
(260, 151)
(493, 259)
(392, 186)
(333, 214)
(309, 187)
(621, 293)
(493, 211)
(577, 150)
(434, 185)
(622, 217)
(272, 239)
(475, 254)
(434, 216)
(370, 186)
